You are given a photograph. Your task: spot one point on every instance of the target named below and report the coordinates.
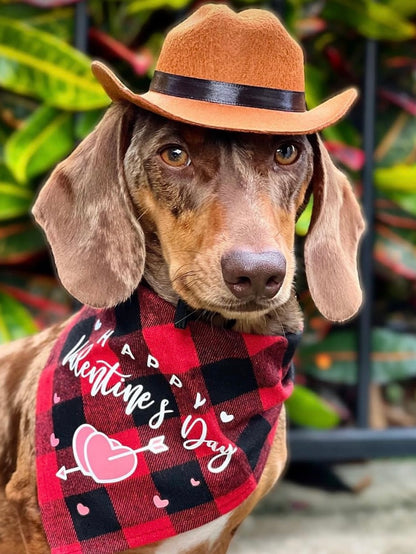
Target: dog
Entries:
(202, 215)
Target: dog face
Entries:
(223, 207)
(210, 214)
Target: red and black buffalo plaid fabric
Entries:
(145, 430)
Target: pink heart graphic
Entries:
(78, 443)
(159, 503)
(107, 460)
(82, 510)
(54, 440)
(194, 482)
(56, 398)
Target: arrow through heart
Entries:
(104, 459)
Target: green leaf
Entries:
(18, 108)
(44, 140)
(314, 85)
(302, 224)
(395, 136)
(58, 21)
(20, 242)
(4, 135)
(403, 7)
(333, 359)
(43, 296)
(390, 214)
(394, 355)
(14, 199)
(398, 183)
(345, 132)
(370, 18)
(396, 251)
(85, 122)
(17, 10)
(307, 409)
(399, 178)
(38, 64)
(15, 320)
(141, 5)
(406, 201)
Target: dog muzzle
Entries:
(145, 430)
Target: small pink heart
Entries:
(56, 398)
(54, 440)
(82, 510)
(194, 482)
(159, 503)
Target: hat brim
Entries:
(228, 117)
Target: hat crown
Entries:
(248, 48)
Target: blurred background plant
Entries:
(49, 101)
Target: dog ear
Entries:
(331, 246)
(87, 214)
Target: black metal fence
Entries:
(360, 441)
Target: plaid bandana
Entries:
(146, 430)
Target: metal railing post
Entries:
(81, 26)
(367, 265)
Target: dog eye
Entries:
(175, 156)
(286, 154)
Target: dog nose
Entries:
(257, 274)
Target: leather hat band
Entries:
(220, 92)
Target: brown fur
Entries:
(114, 212)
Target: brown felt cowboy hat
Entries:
(231, 71)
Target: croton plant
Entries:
(49, 101)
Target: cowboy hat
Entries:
(231, 71)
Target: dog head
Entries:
(209, 214)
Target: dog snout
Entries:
(251, 274)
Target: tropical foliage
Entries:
(49, 101)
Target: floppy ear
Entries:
(88, 216)
(331, 246)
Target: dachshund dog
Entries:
(203, 215)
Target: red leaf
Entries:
(397, 221)
(35, 300)
(140, 61)
(395, 252)
(391, 215)
(310, 26)
(400, 99)
(350, 156)
(400, 61)
(338, 62)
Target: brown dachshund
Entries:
(203, 215)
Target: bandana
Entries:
(145, 430)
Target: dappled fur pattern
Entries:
(115, 213)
